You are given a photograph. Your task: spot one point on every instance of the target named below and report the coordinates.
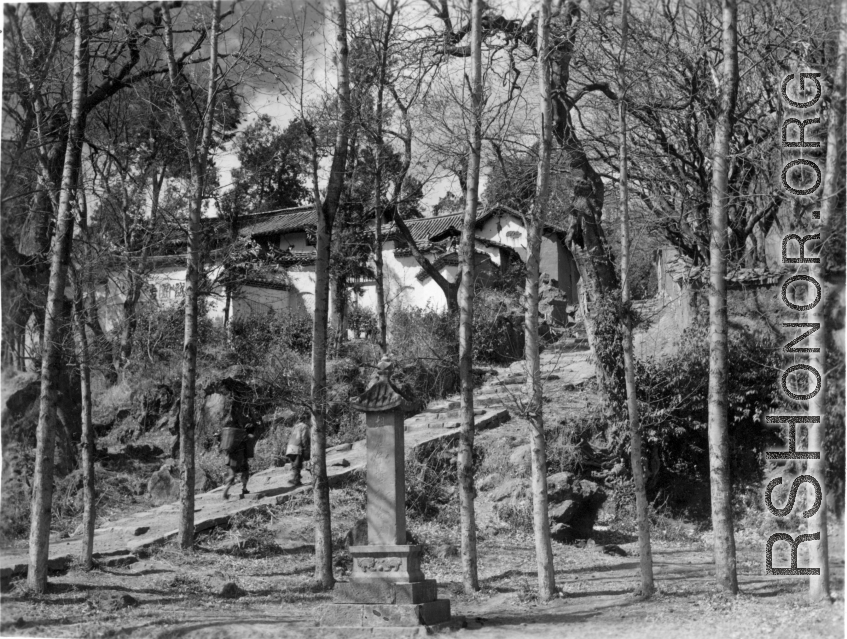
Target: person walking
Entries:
(237, 462)
(298, 450)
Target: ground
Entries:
(263, 559)
(177, 597)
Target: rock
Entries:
(114, 601)
(520, 460)
(511, 489)
(118, 562)
(562, 533)
(163, 487)
(560, 487)
(340, 448)
(19, 416)
(564, 512)
(357, 535)
(575, 503)
(295, 534)
(202, 481)
(445, 551)
(231, 590)
(488, 482)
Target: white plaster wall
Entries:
(254, 300)
(170, 289)
(507, 230)
(303, 283)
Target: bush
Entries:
(254, 337)
(673, 396)
(498, 335)
(426, 345)
(361, 320)
(160, 333)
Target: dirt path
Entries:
(177, 599)
(116, 541)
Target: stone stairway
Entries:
(505, 389)
(119, 542)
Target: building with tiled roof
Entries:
(501, 239)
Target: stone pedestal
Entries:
(386, 481)
(387, 587)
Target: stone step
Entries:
(486, 419)
(569, 345)
(428, 416)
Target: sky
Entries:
(278, 102)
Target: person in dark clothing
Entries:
(237, 463)
(298, 450)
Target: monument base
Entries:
(381, 592)
(357, 615)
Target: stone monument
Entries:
(387, 586)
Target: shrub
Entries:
(673, 395)
(361, 320)
(426, 345)
(160, 332)
(254, 337)
(498, 335)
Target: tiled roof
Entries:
(281, 221)
(299, 218)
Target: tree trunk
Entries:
(381, 323)
(382, 328)
(87, 444)
(725, 567)
(538, 442)
(326, 217)
(197, 147)
(338, 273)
(42, 487)
(467, 252)
(819, 549)
(645, 553)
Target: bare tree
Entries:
(326, 212)
(42, 488)
(467, 255)
(536, 220)
(89, 505)
(197, 143)
(832, 188)
(721, 487)
(641, 503)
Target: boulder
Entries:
(520, 460)
(560, 487)
(564, 512)
(511, 489)
(231, 590)
(155, 404)
(202, 481)
(163, 486)
(574, 504)
(294, 534)
(19, 416)
(114, 601)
